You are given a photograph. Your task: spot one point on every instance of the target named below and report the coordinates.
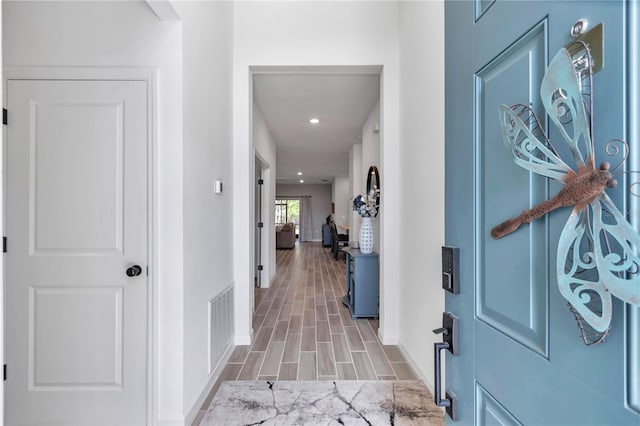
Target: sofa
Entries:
(286, 236)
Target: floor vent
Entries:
(220, 326)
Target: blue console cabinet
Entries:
(362, 284)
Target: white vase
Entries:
(366, 236)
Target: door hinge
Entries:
(260, 224)
(260, 267)
(260, 181)
(4, 116)
(4, 244)
(4, 372)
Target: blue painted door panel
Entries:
(522, 359)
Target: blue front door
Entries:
(522, 360)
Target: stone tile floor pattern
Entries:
(323, 403)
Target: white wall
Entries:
(126, 34)
(355, 188)
(265, 147)
(422, 133)
(320, 202)
(207, 56)
(315, 33)
(342, 200)
(371, 157)
(370, 143)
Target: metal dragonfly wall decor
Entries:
(598, 249)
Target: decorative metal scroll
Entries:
(598, 248)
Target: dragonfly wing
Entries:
(616, 251)
(528, 150)
(578, 275)
(562, 99)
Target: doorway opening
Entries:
(316, 126)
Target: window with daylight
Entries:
(287, 211)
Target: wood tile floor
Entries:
(302, 331)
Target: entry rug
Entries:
(375, 403)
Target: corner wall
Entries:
(422, 159)
(208, 218)
(342, 200)
(355, 188)
(371, 157)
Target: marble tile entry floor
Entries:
(323, 403)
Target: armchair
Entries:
(286, 236)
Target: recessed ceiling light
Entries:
(299, 173)
(314, 121)
(301, 180)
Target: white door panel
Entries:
(76, 197)
(77, 209)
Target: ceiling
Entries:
(342, 103)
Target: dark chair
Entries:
(326, 235)
(337, 240)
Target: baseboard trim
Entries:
(394, 340)
(169, 421)
(193, 412)
(267, 283)
(414, 365)
(242, 340)
(386, 339)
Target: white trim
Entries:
(268, 227)
(153, 373)
(242, 340)
(169, 421)
(387, 339)
(415, 366)
(419, 372)
(244, 146)
(213, 378)
(316, 69)
(80, 73)
(150, 76)
(3, 138)
(164, 10)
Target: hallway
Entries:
(304, 332)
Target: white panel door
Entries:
(76, 220)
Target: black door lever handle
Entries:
(443, 330)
